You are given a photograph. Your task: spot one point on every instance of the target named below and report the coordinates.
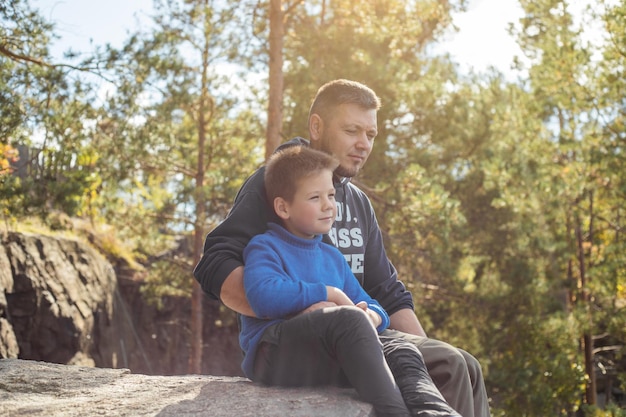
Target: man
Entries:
(342, 122)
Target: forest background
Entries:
(501, 198)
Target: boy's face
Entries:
(348, 135)
(312, 210)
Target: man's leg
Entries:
(418, 389)
(455, 372)
(481, 400)
(330, 346)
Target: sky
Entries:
(482, 40)
(81, 22)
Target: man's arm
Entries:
(220, 269)
(233, 294)
(406, 321)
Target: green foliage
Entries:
(45, 112)
(541, 353)
(23, 35)
(166, 278)
(175, 136)
(610, 411)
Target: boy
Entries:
(288, 269)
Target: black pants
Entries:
(339, 346)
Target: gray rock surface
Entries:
(31, 388)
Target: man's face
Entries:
(348, 135)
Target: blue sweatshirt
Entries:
(283, 275)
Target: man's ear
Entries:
(316, 125)
(281, 207)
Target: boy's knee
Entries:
(350, 313)
(347, 318)
(397, 346)
(403, 357)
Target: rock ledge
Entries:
(45, 389)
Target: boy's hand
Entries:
(335, 295)
(371, 314)
(317, 306)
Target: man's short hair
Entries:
(341, 91)
(286, 167)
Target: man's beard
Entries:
(344, 172)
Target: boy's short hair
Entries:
(287, 166)
(341, 91)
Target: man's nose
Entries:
(364, 142)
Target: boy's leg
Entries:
(456, 373)
(419, 391)
(330, 346)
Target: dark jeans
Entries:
(339, 346)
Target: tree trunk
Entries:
(275, 103)
(205, 114)
(590, 393)
(195, 354)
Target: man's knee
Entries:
(473, 366)
(454, 359)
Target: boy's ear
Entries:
(281, 207)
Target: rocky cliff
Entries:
(62, 302)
